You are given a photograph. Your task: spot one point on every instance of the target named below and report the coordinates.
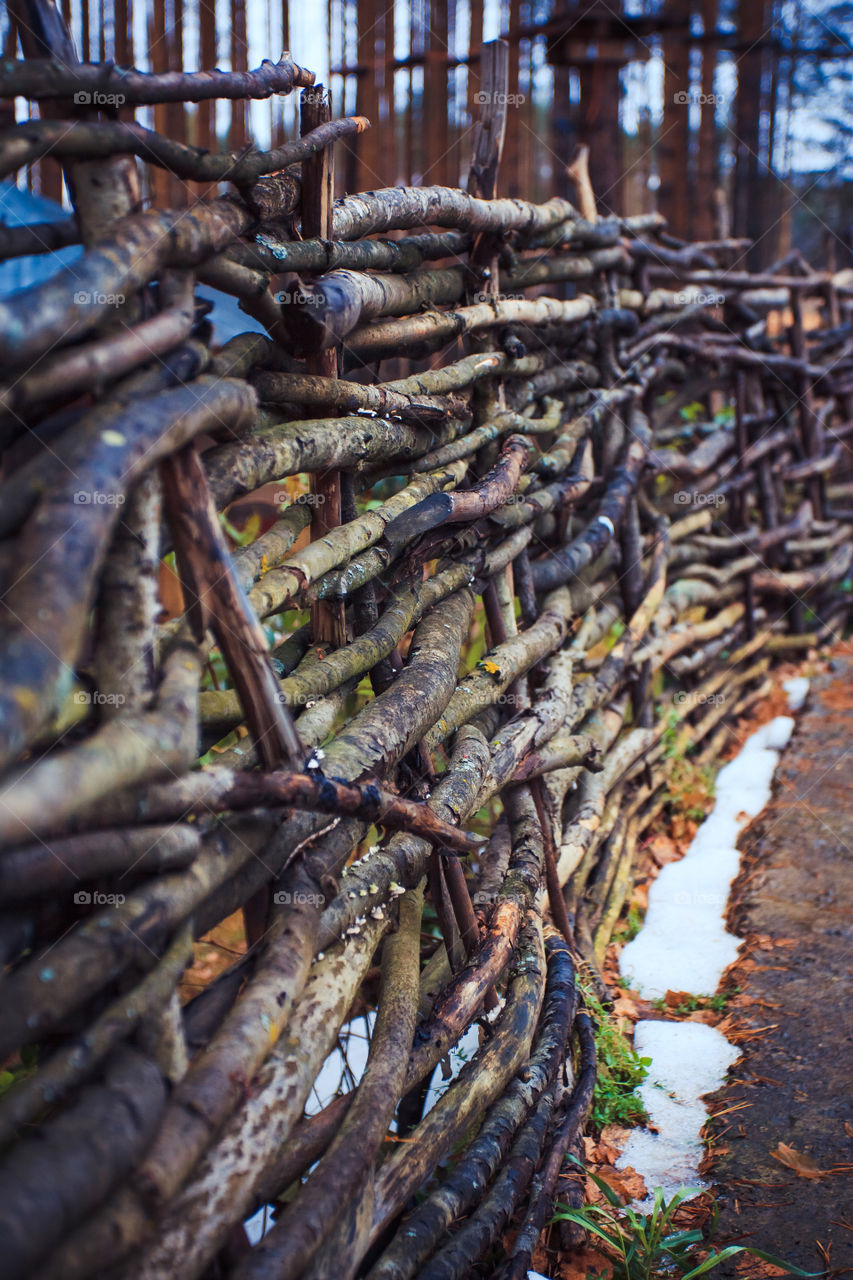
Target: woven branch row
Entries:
(570, 545)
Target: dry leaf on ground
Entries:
(756, 1269)
(710, 1017)
(802, 1165)
(626, 1182)
(673, 999)
(616, 1134)
(625, 1006)
(605, 1152)
(664, 849)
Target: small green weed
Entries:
(632, 926)
(620, 1071)
(716, 1003)
(642, 1246)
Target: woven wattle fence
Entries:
(543, 495)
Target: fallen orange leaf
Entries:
(802, 1165)
(605, 1152)
(626, 1182)
(756, 1269)
(673, 999)
(616, 1134)
(624, 1006)
(710, 1017)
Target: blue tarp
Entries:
(24, 208)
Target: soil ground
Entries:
(793, 903)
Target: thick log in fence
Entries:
(591, 482)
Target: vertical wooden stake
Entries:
(810, 429)
(328, 619)
(489, 133)
(740, 505)
(578, 171)
(490, 129)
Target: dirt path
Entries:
(796, 1079)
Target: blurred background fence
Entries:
(731, 116)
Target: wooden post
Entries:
(740, 503)
(674, 196)
(810, 428)
(514, 146)
(435, 141)
(160, 180)
(176, 113)
(706, 166)
(752, 22)
(328, 618)
(490, 129)
(205, 123)
(489, 134)
(597, 28)
(238, 133)
(368, 156)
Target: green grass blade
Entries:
(780, 1262)
(583, 1220)
(714, 1261)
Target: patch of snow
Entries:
(797, 688)
(658, 964)
(684, 946)
(776, 734)
(752, 770)
(720, 830)
(689, 1059)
